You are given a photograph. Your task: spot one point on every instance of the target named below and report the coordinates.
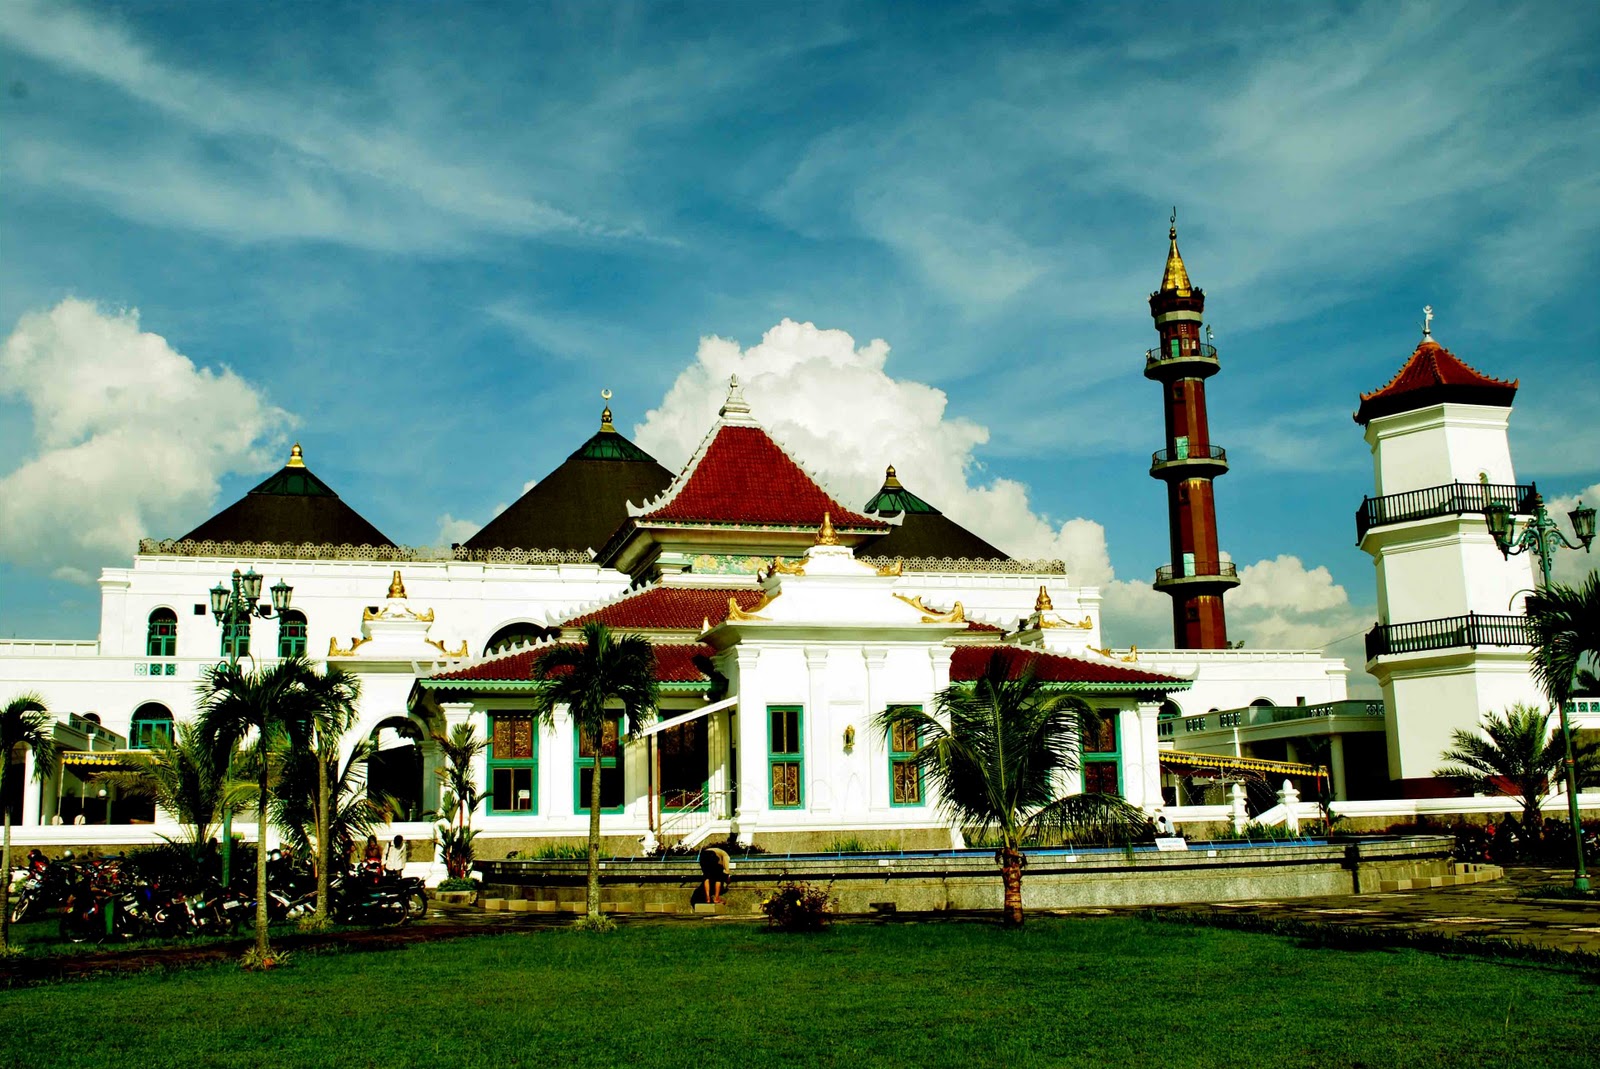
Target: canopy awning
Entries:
(101, 758)
(1178, 760)
(710, 707)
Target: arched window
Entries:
(152, 726)
(291, 633)
(161, 638)
(236, 638)
(1169, 710)
(1263, 703)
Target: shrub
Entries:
(460, 883)
(796, 906)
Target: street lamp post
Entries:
(234, 608)
(1541, 536)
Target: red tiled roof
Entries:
(744, 477)
(670, 608)
(970, 662)
(674, 664)
(1433, 376)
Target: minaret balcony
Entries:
(1189, 462)
(1181, 359)
(1202, 574)
(1448, 633)
(1451, 499)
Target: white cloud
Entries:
(452, 530)
(832, 404)
(1572, 566)
(131, 438)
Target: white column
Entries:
(1336, 767)
(462, 713)
(30, 792)
(819, 733)
(1144, 779)
(869, 737)
(939, 678)
(753, 785)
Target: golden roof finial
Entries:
(1176, 277)
(296, 458)
(397, 589)
(605, 415)
(825, 535)
(1042, 602)
(890, 480)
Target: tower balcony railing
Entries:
(1199, 569)
(1193, 350)
(1450, 632)
(1451, 499)
(1193, 452)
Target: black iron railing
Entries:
(1193, 452)
(1191, 351)
(1196, 569)
(1451, 499)
(1473, 629)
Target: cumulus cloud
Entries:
(1572, 566)
(131, 439)
(453, 531)
(835, 407)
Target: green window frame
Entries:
(291, 633)
(161, 638)
(905, 775)
(785, 756)
(612, 795)
(151, 726)
(237, 636)
(1102, 753)
(513, 764)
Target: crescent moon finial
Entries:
(605, 395)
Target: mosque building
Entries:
(785, 623)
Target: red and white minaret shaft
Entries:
(1198, 577)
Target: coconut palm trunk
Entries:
(592, 901)
(324, 848)
(5, 857)
(1010, 860)
(262, 947)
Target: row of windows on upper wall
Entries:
(161, 636)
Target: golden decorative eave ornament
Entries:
(956, 615)
(825, 535)
(737, 615)
(335, 650)
(397, 588)
(1040, 603)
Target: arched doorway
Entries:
(394, 768)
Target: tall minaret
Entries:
(1198, 577)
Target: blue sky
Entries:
(423, 237)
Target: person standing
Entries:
(394, 857)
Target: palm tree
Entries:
(999, 753)
(1566, 634)
(351, 815)
(23, 722)
(461, 797)
(1516, 755)
(270, 702)
(181, 776)
(590, 680)
(314, 742)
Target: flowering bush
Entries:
(796, 906)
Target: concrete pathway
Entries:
(1499, 909)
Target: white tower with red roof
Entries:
(1449, 644)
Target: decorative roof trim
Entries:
(964, 565)
(168, 547)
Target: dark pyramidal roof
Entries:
(579, 505)
(291, 506)
(924, 532)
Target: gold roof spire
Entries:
(890, 480)
(825, 535)
(605, 415)
(296, 458)
(1176, 277)
(1042, 602)
(397, 589)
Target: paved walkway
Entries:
(1499, 909)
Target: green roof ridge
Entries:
(893, 499)
(609, 445)
(294, 481)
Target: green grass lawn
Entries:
(1092, 992)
